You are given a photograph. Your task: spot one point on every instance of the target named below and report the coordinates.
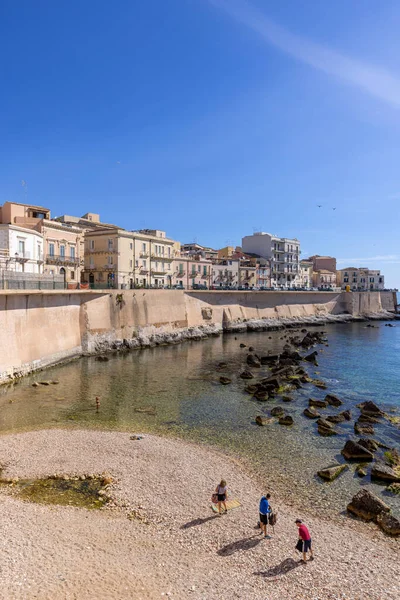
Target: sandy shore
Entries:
(184, 551)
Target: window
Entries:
(131, 263)
(199, 268)
(39, 251)
(72, 274)
(110, 244)
(169, 252)
(51, 249)
(110, 260)
(131, 246)
(62, 250)
(193, 269)
(21, 247)
(181, 268)
(136, 263)
(168, 266)
(143, 247)
(204, 270)
(144, 263)
(91, 244)
(72, 251)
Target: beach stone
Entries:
(331, 473)
(346, 414)
(225, 380)
(311, 413)
(253, 361)
(367, 506)
(251, 349)
(333, 400)
(265, 360)
(242, 345)
(262, 421)
(320, 384)
(35, 384)
(363, 429)
(222, 365)
(286, 420)
(247, 375)
(44, 382)
(340, 418)
(277, 411)
(251, 389)
(381, 471)
(352, 451)
(361, 470)
(318, 403)
(287, 399)
(392, 457)
(261, 395)
(325, 428)
(389, 524)
(312, 358)
(367, 419)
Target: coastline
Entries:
(183, 550)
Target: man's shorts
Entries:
(306, 545)
(264, 519)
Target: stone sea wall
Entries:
(41, 328)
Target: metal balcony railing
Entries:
(62, 260)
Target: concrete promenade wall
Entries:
(40, 328)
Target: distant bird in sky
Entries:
(334, 208)
(319, 205)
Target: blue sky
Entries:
(209, 118)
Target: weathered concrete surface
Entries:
(39, 328)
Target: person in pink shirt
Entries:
(305, 537)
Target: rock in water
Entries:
(371, 445)
(340, 418)
(325, 428)
(361, 470)
(263, 420)
(225, 380)
(371, 409)
(311, 413)
(367, 506)
(333, 400)
(363, 429)
(331, 473)
(277, 411)
(384, 472)
(286, 420)
(312, 358)
(247, 374)
(389, 523)
(318, 403)
(353, 451)
(253, 361)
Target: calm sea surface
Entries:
(179, 386)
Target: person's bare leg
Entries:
(304, 556)
(224, 503)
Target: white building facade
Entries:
(225, 274)
(284, 254)
(21, 250)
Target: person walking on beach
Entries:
(222, 494)
(305, 540)
(265, 511)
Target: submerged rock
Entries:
(367, 506)
(277, 411)
(363, 429)
(286, 420)
(369, 444)
(311, 413)
(325, 428)
(253, 361)
(260, 420)
(225, 380)
(333, 400)
(317, 403)
(331, 473)
(371, 409)
(246, 375)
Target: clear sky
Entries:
(210, 119)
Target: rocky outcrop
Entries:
(388, 523)
(367, 506)
(311, 413)
(363, 429)
(317, 403)
(369, 408)
(325, 428)
(253, 361)
(385, 473)
(333, 400)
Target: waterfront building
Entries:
(194, 249)
(126, 259)
(284, 254)
(324, 279)
(225, 273)
(306, 274)
(62, 244)
(323, 262)
(21, 250)
(360, 279)
(191, 272)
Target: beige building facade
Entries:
(306, 274)
(324, 279)
(360, 279)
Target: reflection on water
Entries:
(175, 390)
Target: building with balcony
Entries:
(225, 273)
(21, 250)
(360, 279)
(62, 243)
(195, 249)
(306, 274)
(191, 272)
(284, 254)
(126, 259)
(324, 279)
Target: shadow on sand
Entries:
(284, 567)
(196, 522)
(244, 544)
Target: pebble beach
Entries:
(158, 537)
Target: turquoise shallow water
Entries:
(178, 387)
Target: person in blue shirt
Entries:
(265, 510)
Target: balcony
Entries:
(161, 257)
(180, 273)
(158, 271)
(22, 256)
(58, 259)
(144, 254)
